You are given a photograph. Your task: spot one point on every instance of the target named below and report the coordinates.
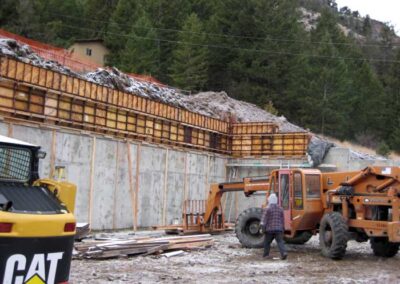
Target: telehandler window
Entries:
(298, 192)
(313, 186)
(284, 184)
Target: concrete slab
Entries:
(197, 180)
(105, 171)
(123, 212)
(151, 186)
(74, 152)
(175, 186)
(3, 129)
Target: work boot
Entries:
(267, 256)
(283, 257)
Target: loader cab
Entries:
(299, 194)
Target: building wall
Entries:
(98, 51)
(122, 184)
(345, 161)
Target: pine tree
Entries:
(141, 53)
(189, 59)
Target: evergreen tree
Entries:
(141, 53)
(189, 59)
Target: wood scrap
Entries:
(82, 230)
(140, 246)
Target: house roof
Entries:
(89, 40)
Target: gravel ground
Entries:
(228, 262)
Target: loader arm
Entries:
(248, 186)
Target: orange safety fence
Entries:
(64, 57)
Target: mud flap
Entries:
(35, 260)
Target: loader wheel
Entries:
(333, 235)
(382, 247)
(247, 228)
(300, 238)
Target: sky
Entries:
(381, 10)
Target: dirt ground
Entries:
(228, 262)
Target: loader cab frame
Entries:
(299, 194)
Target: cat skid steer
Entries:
(37, 225)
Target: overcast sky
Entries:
(381, 10)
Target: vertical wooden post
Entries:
(131, 186)
(92, 165)
(185, 189)
(236, 204)
(138, 153)
(10, 130)
(164, 213)
(225, 196)
(207, 185)
(53, 153)
(115, 185)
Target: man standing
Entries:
(272, 224)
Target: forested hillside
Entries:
(340, 76)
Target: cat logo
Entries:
(19, 272)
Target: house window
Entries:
(88, 51)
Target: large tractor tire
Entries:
(382, 247)
(333, 235)
(300, 238)
(247, 228)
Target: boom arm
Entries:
(248, 186)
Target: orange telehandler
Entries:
(340, 206)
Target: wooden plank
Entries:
(91, 187)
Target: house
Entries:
(92, 50)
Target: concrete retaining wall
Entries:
(345, 161)
(122, 184)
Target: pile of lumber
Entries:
(140, 246)
(82, 230)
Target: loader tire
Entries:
(333, 235)
(382, 247)
(247, 228)
(300, 238)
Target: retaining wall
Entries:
(122, 184)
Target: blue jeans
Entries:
(269, 237)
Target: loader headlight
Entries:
(41, 154)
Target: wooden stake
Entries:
(53, 153)
(10, 131)
(185, 189)
(92, 165)
(164, 213)
(115, 184)
(139, 149)
(131, 186)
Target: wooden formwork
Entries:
(254, 128)
(27, 102)
(56, 81)
(279, 144)
(36, 93)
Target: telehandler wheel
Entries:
(382, 247)
(333, 235)
(247, 228)
(300, 238)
